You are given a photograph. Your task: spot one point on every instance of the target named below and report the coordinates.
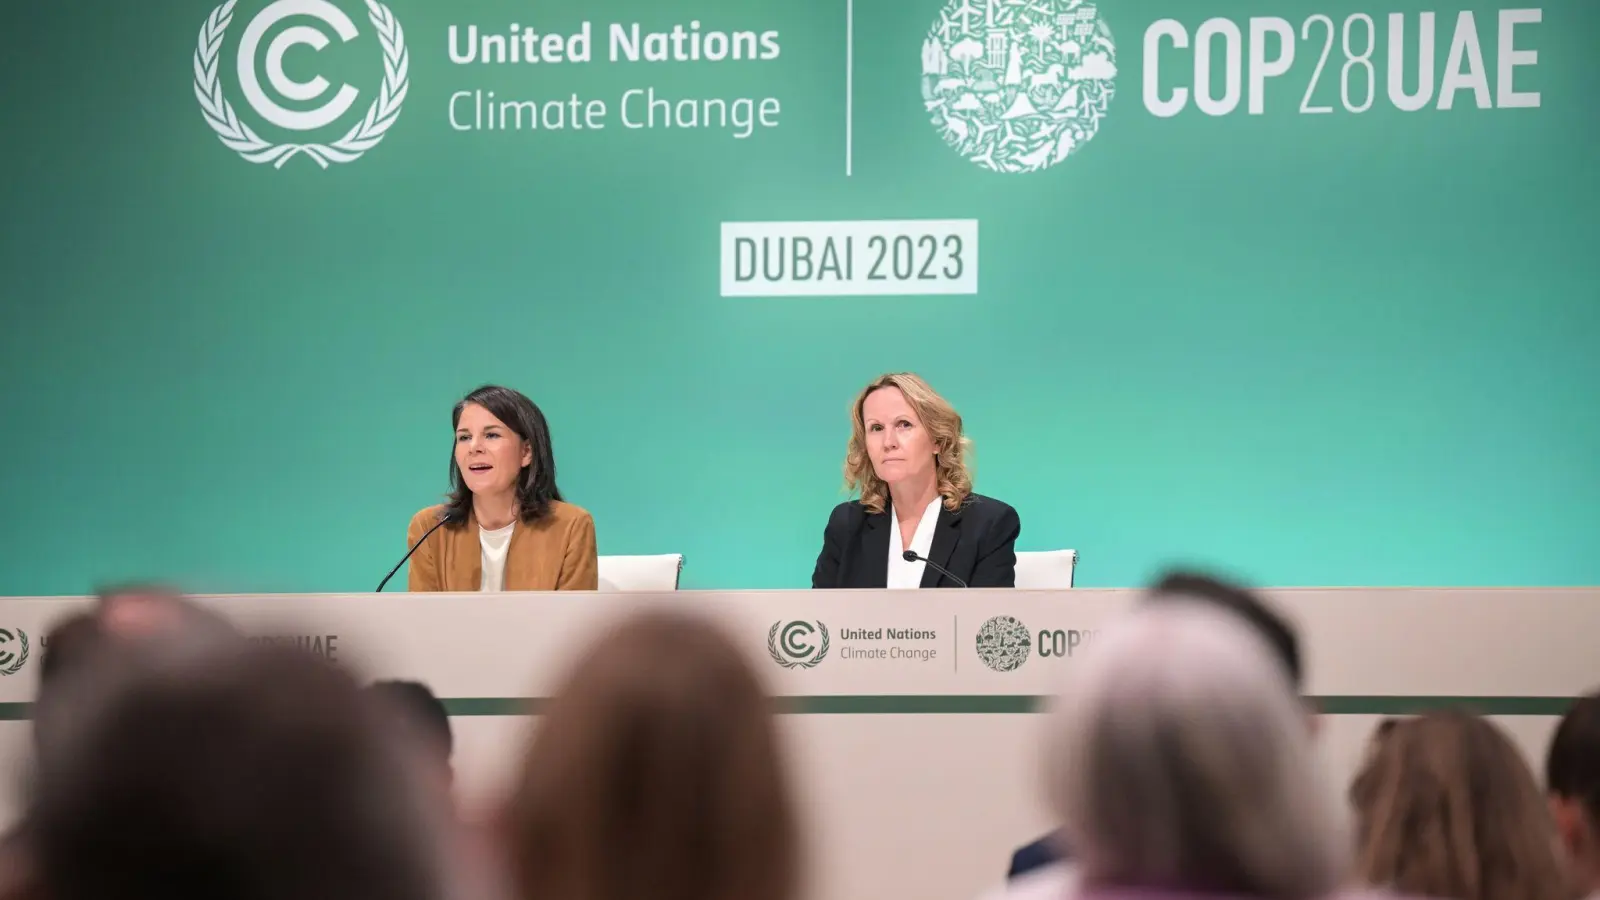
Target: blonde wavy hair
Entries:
(943, 424)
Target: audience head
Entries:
(70, 644)
(1271, 627)
(1572, 778)
(655, 773)
(502, 444)
(1446, 807)
(1178, 758)
(122, 617)
(421, 719)
(224, 769)
(142, 610)
(901, 430)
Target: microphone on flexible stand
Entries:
(445, 518)
(914, 556)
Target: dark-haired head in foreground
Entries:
(230, 770)
(122, 617)
(413, 712)
(1572, 778)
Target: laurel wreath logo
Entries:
(242, 139)
(22, 652)
(786, 662)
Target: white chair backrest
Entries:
(640, 573)
(1046, 568)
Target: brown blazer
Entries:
(556, 553)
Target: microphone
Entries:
(913, 556)
(444, 518)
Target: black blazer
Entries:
(1043, 852)
(977, 543)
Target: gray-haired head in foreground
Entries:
(1178, 758)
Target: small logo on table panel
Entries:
(13, 650)
(1003, 643)
(799, 644)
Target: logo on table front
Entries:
(797, 645)
(1017, 87)
(13, 650)
(239, 136)
(1004, 643)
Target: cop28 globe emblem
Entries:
(797, 645)
(237, 135)
(1003, 643)
(1018, 85)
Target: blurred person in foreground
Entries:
(1572, 781)
(141, 609)
(419, 725)
(1044, 856)
(414, 712)
(656, 773)
(1446, 807)
(225, 770)
(120, 617)
(1179, 763)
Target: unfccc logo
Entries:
(790, 644)
(241, 138)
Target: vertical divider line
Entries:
(849, 82)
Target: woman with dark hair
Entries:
(506, 527)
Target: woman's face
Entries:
(899, 447)
(489, 454)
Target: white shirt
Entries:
(494, 545)
(904, 574)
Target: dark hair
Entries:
(68, 647)
(414, 701)
(660, 742)
(236, 770)
(537, 486)
(1572, 764)
(1233, 598)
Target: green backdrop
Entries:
(1312, 349)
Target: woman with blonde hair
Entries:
(917, 522)
(656, 773)
(1446, 807)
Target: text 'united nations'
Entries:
(640, 107)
